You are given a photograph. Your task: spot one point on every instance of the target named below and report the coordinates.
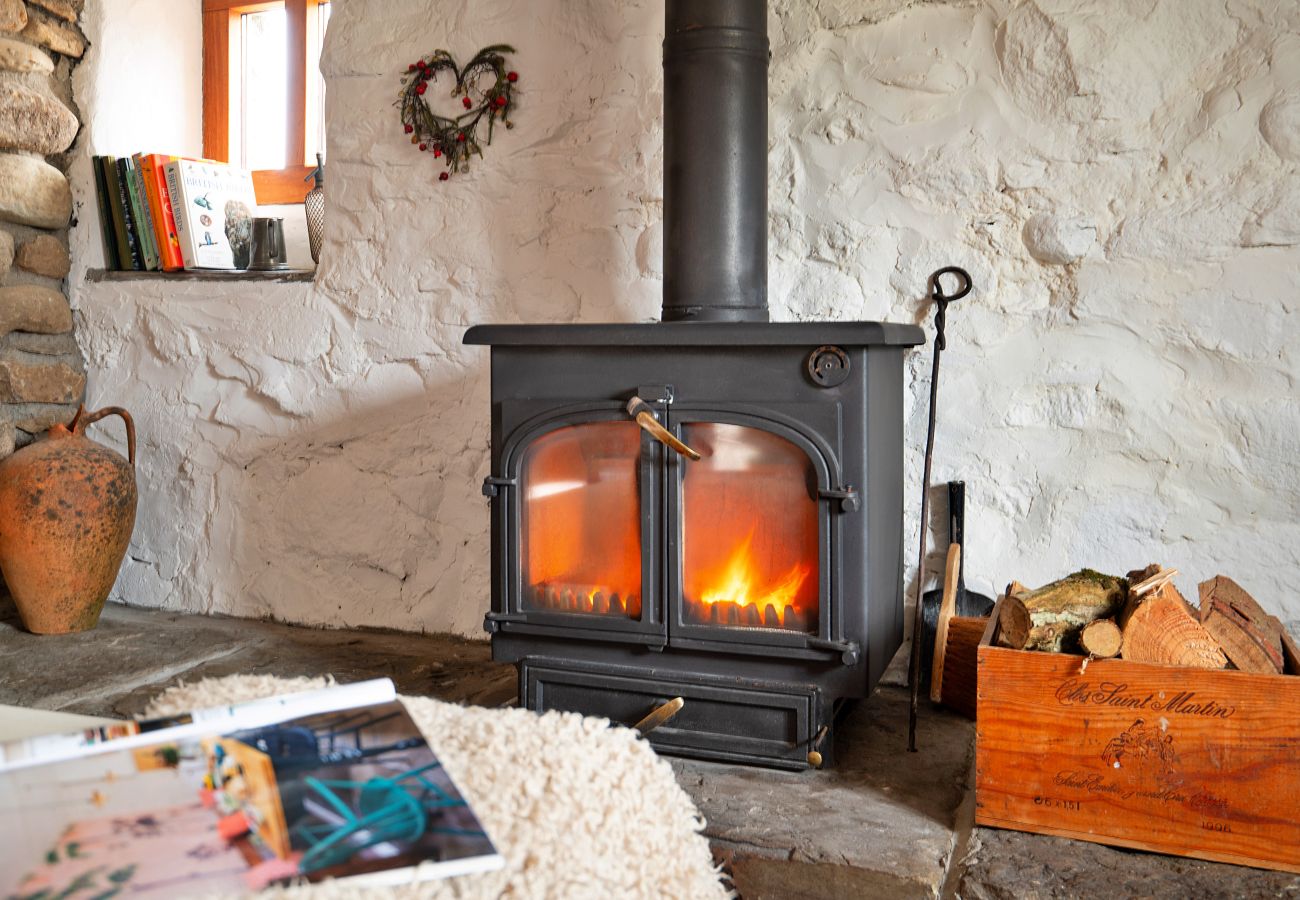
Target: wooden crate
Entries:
(1182, 761)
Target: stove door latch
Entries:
(492, 485)
(850, 651)
(847, 495)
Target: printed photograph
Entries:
(330, 795)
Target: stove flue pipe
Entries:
(715, 161)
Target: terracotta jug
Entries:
(67, 507)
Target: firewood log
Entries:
(1058, 611)
(1159, 627)
(1013, 620)
(1249, 636)
(1101, 638)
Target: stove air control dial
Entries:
(828, 366)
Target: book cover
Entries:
(337, 783)
(217, 205)
(151, 165)
(127, 248)
(140, 216)
(106, 232)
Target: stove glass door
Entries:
(750, 526)
(580, 521)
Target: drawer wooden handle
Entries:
(660, 716)
(814, 755)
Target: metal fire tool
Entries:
(941, 301)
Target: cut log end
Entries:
(1101, 639)
(1159, 628)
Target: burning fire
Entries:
(738, 596)
(737, 582)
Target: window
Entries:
(263, 97)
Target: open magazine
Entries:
(323, 784)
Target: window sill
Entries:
(286, 276)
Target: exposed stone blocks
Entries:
(42, 376)
(54, 34)
(17, 56)
(35, 121)
(31, 307)
(13, 15)
(25, 379)
(43, 254)
(33, 193)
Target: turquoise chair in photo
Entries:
(396, 808)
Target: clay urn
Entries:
(67, 507)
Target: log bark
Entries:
(1013, 621)
(1058, 611)
(1101, 638)
(1249, 636)
(1159, 627)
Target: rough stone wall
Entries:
(1120, 176)
(42, 377)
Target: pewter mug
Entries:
(268, 251)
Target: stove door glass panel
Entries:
(580, 524)
(749, 530)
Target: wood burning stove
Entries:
(708, 508)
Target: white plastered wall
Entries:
(1120, 177)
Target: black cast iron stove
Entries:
(707, 508)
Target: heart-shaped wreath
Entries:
(455, 138)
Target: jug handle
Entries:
(83, 418)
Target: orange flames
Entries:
(737, 583)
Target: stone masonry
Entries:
(42, 375)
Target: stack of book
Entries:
(167, 214)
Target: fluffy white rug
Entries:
(579, 809)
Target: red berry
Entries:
(467, 103)
(512, 76)
(461, 137)
(409, 128)
(424, 147)
(411, 67)
(421, 64)
(437, 151)
(443, 176)
(421, 88)
(501, 101)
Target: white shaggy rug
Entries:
(579, 809)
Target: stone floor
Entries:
(881, 823)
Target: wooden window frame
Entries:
(221, 20)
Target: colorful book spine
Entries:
(140, 216)
(170, 258)
(127, 247)
(172, 175)
(106, 230)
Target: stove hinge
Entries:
(493, 621)
(492, 485)
(847, 495)
(850, 651)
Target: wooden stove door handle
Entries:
(645, 417)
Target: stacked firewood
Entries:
(1143, 618)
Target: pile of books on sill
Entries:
(169, 214)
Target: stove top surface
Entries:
(698, 334)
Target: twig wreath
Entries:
(484, 77)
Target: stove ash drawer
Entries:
(758, 724)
